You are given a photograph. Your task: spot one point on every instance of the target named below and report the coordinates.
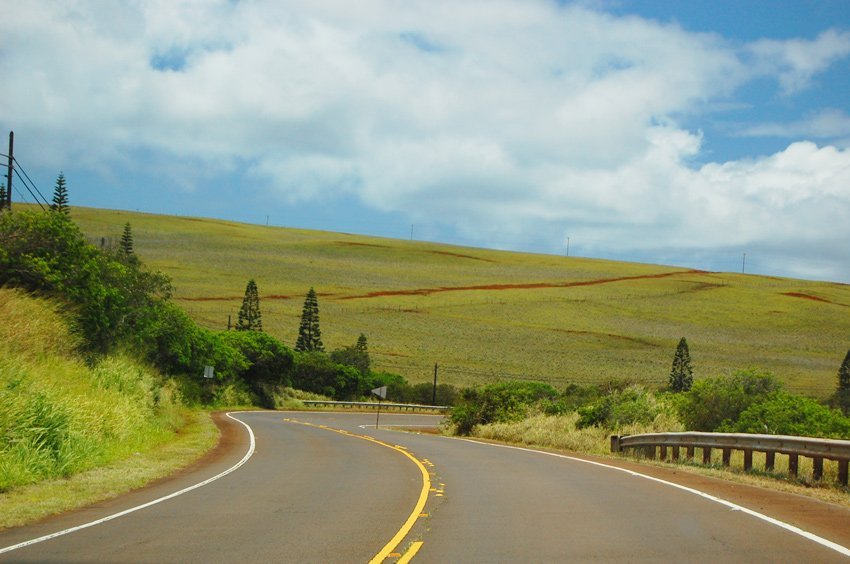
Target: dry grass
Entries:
(486, 315)
(559, 433)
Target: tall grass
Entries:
(560, 432)
(61, 416)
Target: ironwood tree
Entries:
(60, 196)
(681, 374)
(126, 245)
(250, 318)
(309, 333)
(844, 374)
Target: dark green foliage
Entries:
(356, 356)
(126, 245)
(46, 253)
(783, 413)
(60, 196)
(502, 402)
(250, 318)
(844, 374)
(309, 333)
(316, 372)
(681, 374)
(270, 362)
(3, 196)
(362, 346)
(713, 402)
(620, 407)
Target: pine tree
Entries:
(60, 196)
(361, 343)
(250, 318)
(127, 240)
(844, 375)
(309, 334)
(681, 375)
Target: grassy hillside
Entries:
(61, 416)
(485, 315)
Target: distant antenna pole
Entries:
(744, 264)
(568, 246)
(8, 202)
(411, 232)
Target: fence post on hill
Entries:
(434, 393)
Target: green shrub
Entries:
(632, 406)
(502, 402)
(783, 413)
(714, 402)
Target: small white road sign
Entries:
(380, 392)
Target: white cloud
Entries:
(795, 62)
(524, 115)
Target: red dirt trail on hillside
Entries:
(526, 286)
(811, 297)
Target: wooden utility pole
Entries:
(9, 169)
(434, 394)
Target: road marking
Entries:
(733, 506)
(148, 504)
(408, 556)
(420, 503)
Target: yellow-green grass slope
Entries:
(485, 315)
(71, 434)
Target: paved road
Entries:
(314, 494)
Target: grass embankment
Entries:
(487, 315)
(71, 433)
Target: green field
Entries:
(486, 315)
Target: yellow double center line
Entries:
(417, 510)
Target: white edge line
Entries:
(735, 507)
(148, 504)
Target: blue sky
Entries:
(674, 132)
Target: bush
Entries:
(315, 372)
(714, 402)
(783, 413)
(503, 402)
(269, 362)
(634, 405)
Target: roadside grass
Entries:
(560, 434)
(64, 423)
(485, 315)
(31, 503)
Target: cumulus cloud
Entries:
(529, 115)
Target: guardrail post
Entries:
(842, 472)
(748, 460)
(706, 455)
(615, 443)
(690, 453)
(817, 468)
(676, 453)
(793, 463)
(663, 453)
(650, 452)
(769, 460)
(727, 456)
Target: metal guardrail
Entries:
(793, 447)
(375, 405)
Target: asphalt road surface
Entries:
(329, 487)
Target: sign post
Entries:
(382, 394)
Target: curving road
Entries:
(325, 487)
